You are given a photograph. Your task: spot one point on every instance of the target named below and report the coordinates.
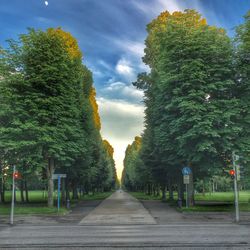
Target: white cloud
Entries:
(123, 91)
(131, 62)
(157, 6)
(105, 65)
(124, 68)
(132, 47)
(121, 122)
(169, 5)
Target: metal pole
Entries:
(58, 194)
(13, 196)
(236, 193)
(186, 195)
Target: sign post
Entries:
(186, 171)
(58, 177)
(186, 182)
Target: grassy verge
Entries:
(244, 196)
(244, 207)
(208, 202)
(35, 196)
(30, 209)
(38, 203)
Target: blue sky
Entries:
(111, 34)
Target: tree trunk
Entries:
(1, 188)
(180, 189)
(171, 193)
(149, 189)
(154, 190)
(157, 190)
(3, 193)
(63, 192)
(163, 189)
(21, 191)
(191, 191)
(26, 191)
(50, 171)
(1, 183)
(203, 188)
(75, 193)
(67, 189)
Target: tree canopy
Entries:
(49, 115)
(196, 111)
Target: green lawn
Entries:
(244, 207)
(38, 202)
(208, 200)
(41, 196)
(34, 196)
(30, 209)
(244, 196)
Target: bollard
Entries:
(68, 204)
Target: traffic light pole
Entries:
(13, 196)
(236, 193)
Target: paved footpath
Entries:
(119, 209)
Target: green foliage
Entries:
(134, 172)
(242, 55)
(196, 105)
(49, 118)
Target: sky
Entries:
(111, 35)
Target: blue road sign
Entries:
(186, 171)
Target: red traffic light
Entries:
(232, 172)
(16, 175)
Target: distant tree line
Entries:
(197, 98)
(49, 121)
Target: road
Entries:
(102, 229)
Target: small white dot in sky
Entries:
(46, 3)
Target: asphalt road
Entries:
(98, 230)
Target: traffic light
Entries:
(17, 175)
(232, 173)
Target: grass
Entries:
(30, 209)
(35, 196)
(244, 196)
(209, 200)
(244, 207)
(38, 203)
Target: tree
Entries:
(242, 55)
(190, 106)
(49, 115)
